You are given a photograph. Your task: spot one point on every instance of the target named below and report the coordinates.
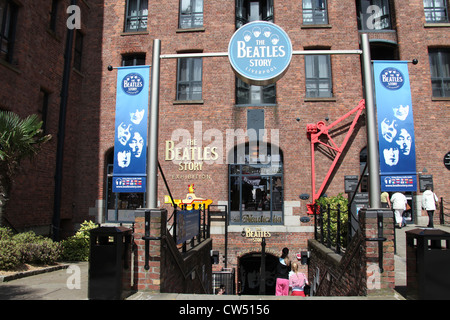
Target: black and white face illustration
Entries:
(391, 156)
(136, 117)
(401, 112)
(123, 133)
(136, 144)
(124, 158)
(388, 129)
(404, 142)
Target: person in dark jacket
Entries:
(282, 274)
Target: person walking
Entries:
(384, 198)
(429, 200)
(297, 281)
(282, 274)
(398, 201)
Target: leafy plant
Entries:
(9, 255)
(5, 233)
(331, 205)
(19, 139)
(76, 248)
(26, 247)
(36, 249)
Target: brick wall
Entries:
(169, 271)
(357, 272)
(38, 64)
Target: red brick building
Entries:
(33, 45)
(202, 96)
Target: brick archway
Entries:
(248, 275)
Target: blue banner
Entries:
(130, 142)
(395, 126)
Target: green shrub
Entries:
(47, 252)
(5, 233)
(9, 255)
(26, 247)
(76, 248)
(36, 249)
(334, 202)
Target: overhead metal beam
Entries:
(225, 54)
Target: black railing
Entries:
(330, 227)
(443, 208)
(202, 230)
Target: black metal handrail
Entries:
(324, 224)
(442, 209)
(203, 232)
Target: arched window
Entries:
(256, 184)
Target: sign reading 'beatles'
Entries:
(260, 52)
(395, 126)
(130, 143)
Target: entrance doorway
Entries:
(249, 273)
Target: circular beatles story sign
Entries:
(260, 52)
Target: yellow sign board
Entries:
(190, 200)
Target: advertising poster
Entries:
(188, 222)
(130, 145)
(395, 126)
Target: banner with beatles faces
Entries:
(130, 142)
(395, 126)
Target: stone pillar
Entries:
(378, 224)
(148, 279)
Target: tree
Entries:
(19, 139)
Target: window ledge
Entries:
(440, 99)
(9, 66)
(81, 74)
(191, 30)
(377, 31)
(134, 33)
(256, 105)
(179, 102)
(315, 26)
(320, 99)
(436, 25)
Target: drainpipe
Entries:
(61, 133)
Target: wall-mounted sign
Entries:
(190, 159)
(350, 183)
(424, 181)
(260, 52)
(190, 200)
(255, 235)
(447, 160)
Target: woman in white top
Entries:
(398, 201)
(429, 200)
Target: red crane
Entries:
(315, 132)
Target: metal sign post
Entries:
(152, 151)
(372, 132)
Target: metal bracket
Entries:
(147, 239)
(380, 240)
